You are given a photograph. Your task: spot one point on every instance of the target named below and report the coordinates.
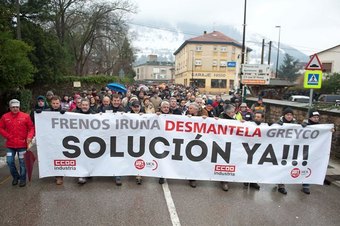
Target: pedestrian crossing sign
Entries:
(313, 79)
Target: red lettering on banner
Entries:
(225, 168)
(169, 125)
(199, 127)
(63, 162)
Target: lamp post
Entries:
(243, 50)
(278, 52)
(192, 68)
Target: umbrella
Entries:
(117, 87)
(30, 158)
(29, 162)
(144, 87)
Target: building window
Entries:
(233, 49)
(223, 49)
(214, 63)
(199, 83)
(198, 48)
(218, 83)
(231, 84)
(215, 48)
(223, 63)
(198, 62)
(327, 67)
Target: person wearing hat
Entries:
(41, 105)
(287, 117)
(18, 130)
(209, 108)
(49, 95)
(313, 119)
(245, 112)
(136, 108)
(258, 106)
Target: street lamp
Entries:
(192, 68)
(278, 52)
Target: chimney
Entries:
(205, 32)
(152, 58)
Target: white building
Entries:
(154, 70)
(330, 59)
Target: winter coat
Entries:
(16, 129)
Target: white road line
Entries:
(171, 205)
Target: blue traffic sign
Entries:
(231, 64)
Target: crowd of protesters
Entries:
(177, 100)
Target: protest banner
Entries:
(180, 147)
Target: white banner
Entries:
(180, 147)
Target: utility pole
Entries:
(269, 51)
(262, 52)
(278, 53)
(243, 45)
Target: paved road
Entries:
(101, 202)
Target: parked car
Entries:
(299, 98)
(329, 98)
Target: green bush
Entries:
(95, 79)
(23, 95)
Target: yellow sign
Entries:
(313, 79)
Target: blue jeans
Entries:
(11, 152)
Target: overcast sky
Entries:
(308, 25)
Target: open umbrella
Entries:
(144, 87)
(117, 87)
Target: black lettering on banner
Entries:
(305, 154)
(199, 143)
(141, 147)
(113, 151)
(216, 149)
(315, 134)
(177, 155)
(251, 151)
(153, 150)
(102, 147)
(271, 159)
(66, 145)
(285, 153)
(295, 155)
(106, 124)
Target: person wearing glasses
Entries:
(18, 130)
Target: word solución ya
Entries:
(195, 150)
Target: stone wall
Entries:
(274, 110)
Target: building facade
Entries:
(210, 62)
(154, 70)
(330, 59)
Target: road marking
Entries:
(171, 205)
(6, 179)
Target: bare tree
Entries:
(98, 25)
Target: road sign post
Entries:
(313, 77)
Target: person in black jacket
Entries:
(84, 109)
(56, 106)
(287, 117)
(40, 106)
(313, 119)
